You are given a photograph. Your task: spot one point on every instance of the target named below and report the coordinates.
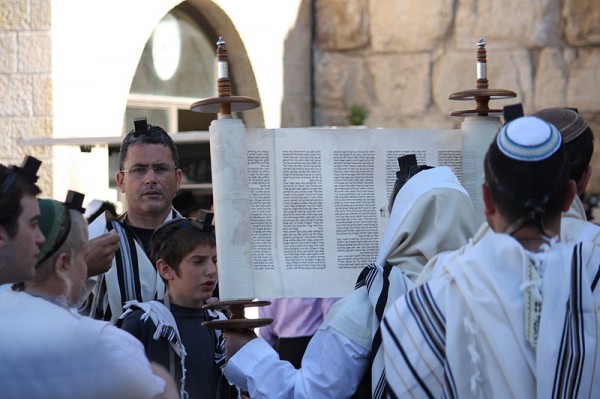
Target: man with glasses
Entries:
(149, 176)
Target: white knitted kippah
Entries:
(528, 139)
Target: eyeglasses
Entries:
(140, 171)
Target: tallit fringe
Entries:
(476, 379)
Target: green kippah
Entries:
(54, 223)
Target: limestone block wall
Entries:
(26, 82)
(401, 59)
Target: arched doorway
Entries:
(177, 67)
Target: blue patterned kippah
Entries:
(528, 139)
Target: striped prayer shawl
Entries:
(132, 276)
(420, 226)
(571, 360)
(428, 327)
(383, 286)
(438, 343)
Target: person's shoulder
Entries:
(134, 322)
(134, 315)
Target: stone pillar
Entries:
(26, 83)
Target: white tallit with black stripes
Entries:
(132, 276)
(499, 322)
(432, 213)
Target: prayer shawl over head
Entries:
(499, 322)
(432, 213)
(132, 276)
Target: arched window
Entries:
(176, 69)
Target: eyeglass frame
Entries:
(132, 171)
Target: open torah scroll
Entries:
(299, 212)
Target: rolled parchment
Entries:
(232, 209)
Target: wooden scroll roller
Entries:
(237, 320)
(482, 95)
(225, 103)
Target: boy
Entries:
(171, 330)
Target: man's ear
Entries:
(489, 205)
(119, 177)
(4, 237)
(585, 179)
(179, 174)
(61, 263)
(165, 270)
(571, 192)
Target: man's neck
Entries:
(532, 238)
(146, 221)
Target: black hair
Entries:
(146, 134)
(175, 239)
(579, 153)
(16, 183)
(520, 188)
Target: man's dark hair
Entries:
(146, 134)
(15, 183)
(175, 239)
(576, 134)
(519, 187)
(579, 152)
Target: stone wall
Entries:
(26, 82)
(401, 59)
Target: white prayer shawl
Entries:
(465, 334)
(433, 266)
(132, 275)
(432, 213)
(574, 226)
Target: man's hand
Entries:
(170, 391)
(235, 339)
(101, 253)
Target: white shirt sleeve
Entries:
(128, 360)
(332, 367)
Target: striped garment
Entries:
(468, 333)
(132, 276)
(420, 227)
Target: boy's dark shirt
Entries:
(203, 377)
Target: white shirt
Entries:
(50, 352)
(332, 367)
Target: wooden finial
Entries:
(225, 103)
(237, 320)
(482, 94)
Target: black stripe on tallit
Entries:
(414, 373)
(571, 355)
(427, 316)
